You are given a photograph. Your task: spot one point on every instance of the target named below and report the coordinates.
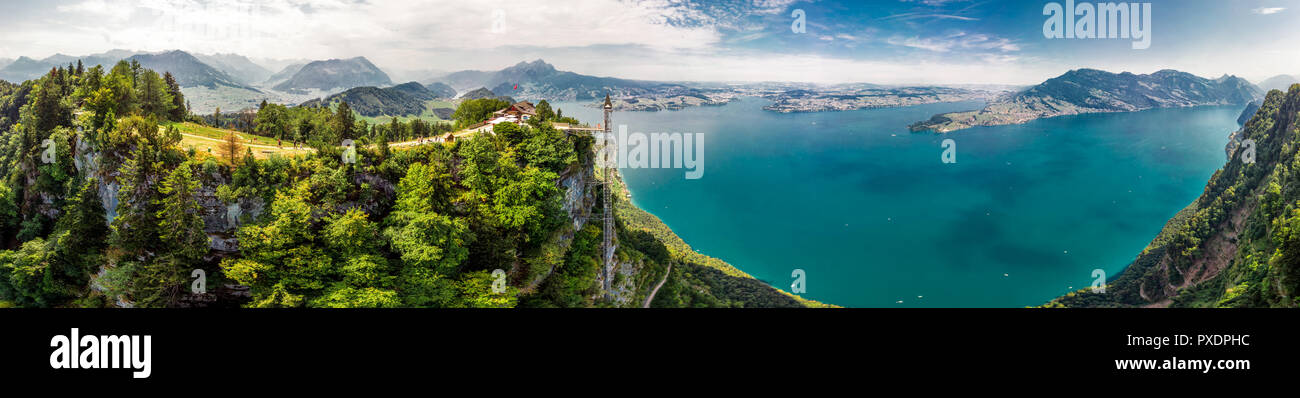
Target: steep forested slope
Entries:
(1238, 245)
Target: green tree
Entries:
(9, 216)
(50, 110)
(22, 272)
(477, 110)
(548, 148)
(273, 121)
(154, 96)
(431, 246)
(281, 264)
(529, 203)
(180, 217)
(544, 112)
(513, 133)
(79, 240)
(121, 82)
(365, 280)
(179, 108)
(344, 123)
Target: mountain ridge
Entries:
(335, 74)
(188, 70)
(1092, 90)
(538, 80)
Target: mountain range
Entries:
(335, 74)
(249, 80)
(1091, 90)
(230, 70)
(25, 68)
(210, 70)
(188, 70)
(539, 80)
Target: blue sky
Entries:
(882, 41)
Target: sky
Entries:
(882, 41)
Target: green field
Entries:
(216, 133)
(204, 139)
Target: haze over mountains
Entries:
(238, 69)
(284, 74)
(237, 66)
(228, 81)
(1279, 82)
(233, 81)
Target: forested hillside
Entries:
(1238, 245)
(104, 206)
(400, 100)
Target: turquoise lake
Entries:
(873, 216)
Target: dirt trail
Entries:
(651, 297)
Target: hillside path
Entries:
(651, 297)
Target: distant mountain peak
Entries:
(537, 79)
(335, 74)
(536, 68)
(188, 69)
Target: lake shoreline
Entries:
(911, 246)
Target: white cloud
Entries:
(821, 69)
(958, 41)
(772, 6)
(924, 44)
(651, 39)
(1268, 10)
(385, 30)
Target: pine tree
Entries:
(135, 229)
(344, 122)
(155, 100)
(49, 109)
(180, 107)
(78, 241)
(180, 230)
